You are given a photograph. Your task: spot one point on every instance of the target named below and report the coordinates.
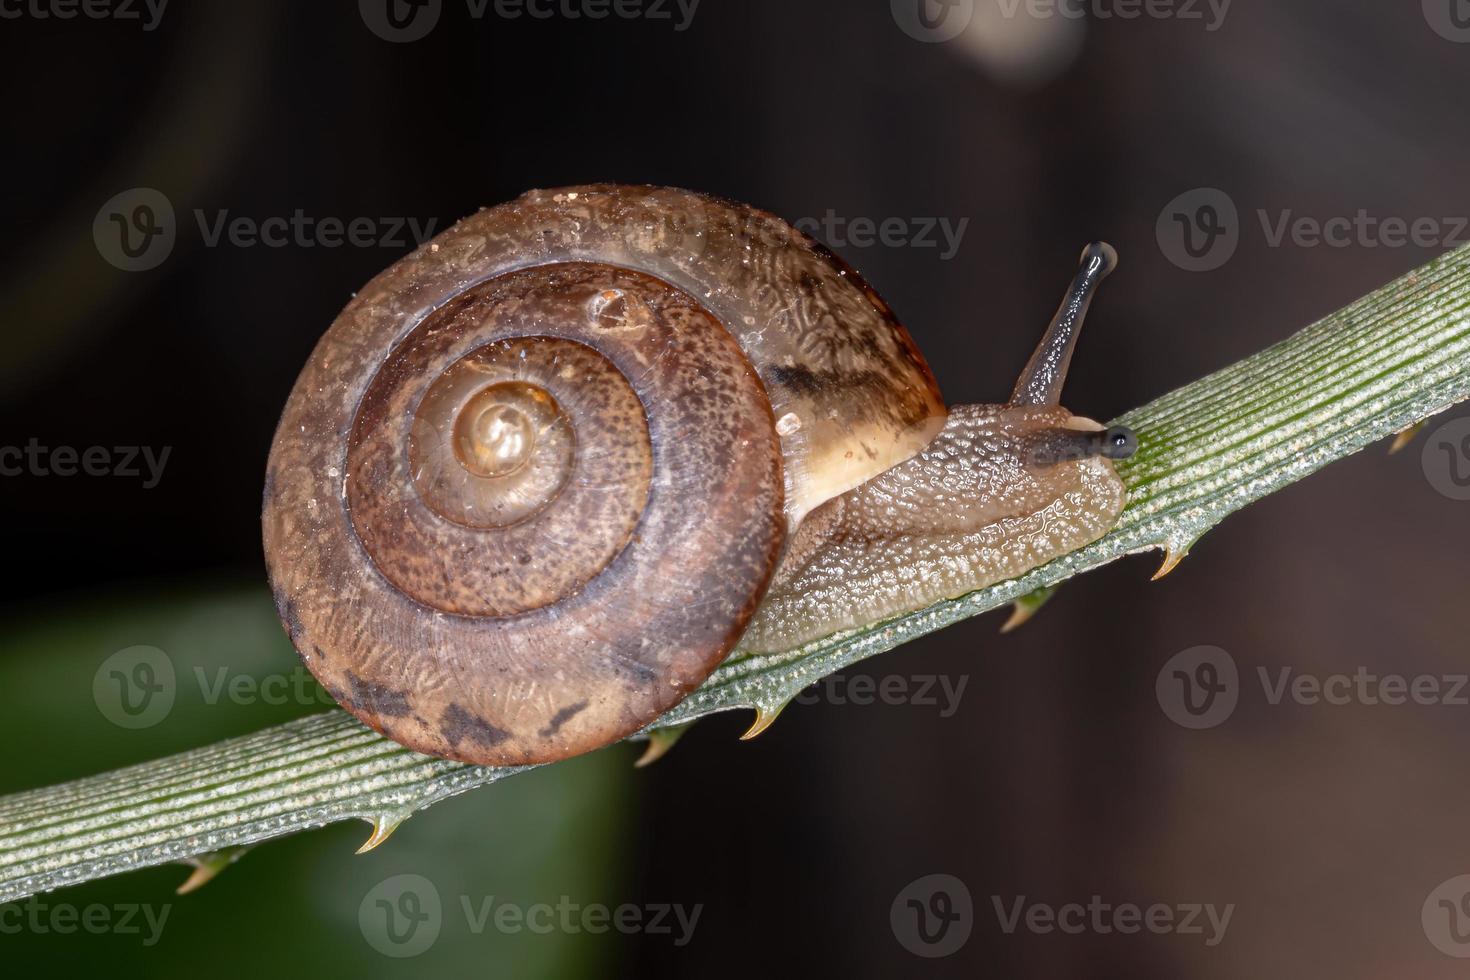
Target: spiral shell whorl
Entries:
(530, 488)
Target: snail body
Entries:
(544, 473)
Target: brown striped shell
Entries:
(533, 482)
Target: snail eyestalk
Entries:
(1047, 447)
(1042, 379)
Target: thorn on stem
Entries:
(1174, 552)
(207, 866)
(1404, 437)
(383, 827)
(1027, 606)
(660, 740)
(765, 715)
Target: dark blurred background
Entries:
(1055, 775)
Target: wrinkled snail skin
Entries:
(970, 510)
(1001, 490)
(543, 474)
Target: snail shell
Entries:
(534, 480)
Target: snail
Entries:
(544, 473)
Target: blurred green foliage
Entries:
(289, 907)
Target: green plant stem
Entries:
(1382, 364)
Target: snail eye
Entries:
(1119, 442)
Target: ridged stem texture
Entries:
(1377, 367)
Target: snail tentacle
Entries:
(1045, 373)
